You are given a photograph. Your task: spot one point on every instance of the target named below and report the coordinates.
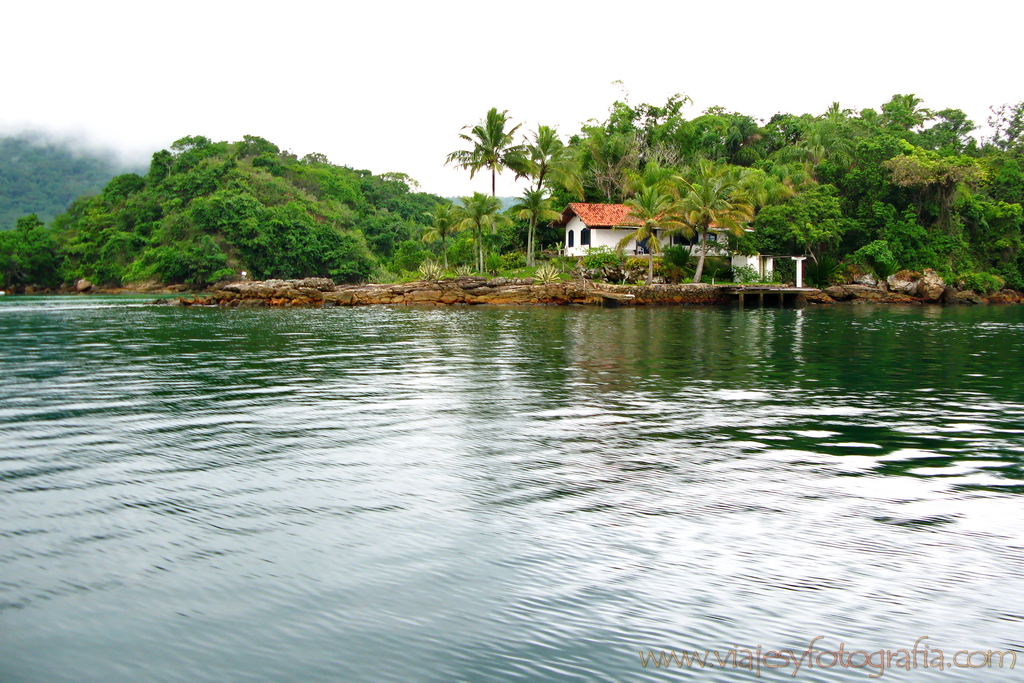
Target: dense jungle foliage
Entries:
(901, 187)
(208, 210)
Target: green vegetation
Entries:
(41, 177)
(209, 210)
(901, 187)
(830, 185)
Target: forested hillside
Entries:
(902, 187)
(862, 193)
(207, 210)
(42, 177)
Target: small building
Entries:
(604, 225)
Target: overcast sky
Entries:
(388, 85)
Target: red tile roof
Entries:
(598, 215)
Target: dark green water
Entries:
(402, 494)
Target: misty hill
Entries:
(43, 177)
(207, 210)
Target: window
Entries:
(585, 237)
(568, 241)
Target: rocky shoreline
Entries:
(452, 292)
(319, 292)
(902, 288)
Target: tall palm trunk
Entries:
(650, 268)
(444, 251)
(530, 248)
(700, 259)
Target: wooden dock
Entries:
(779, 296)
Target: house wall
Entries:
(599, 237)
(609, 237)
(762, 265)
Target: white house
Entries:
(604, 225)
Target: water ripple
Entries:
(495, 495)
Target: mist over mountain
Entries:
(42, 175)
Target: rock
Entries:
(867, 279)
(471, 282)
(965, 297)
(857, 292)
(904, 282)
(83, 285)
(838, 293)
(930, 287)
(1006, 296)
(816, 297)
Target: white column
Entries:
(799, 270)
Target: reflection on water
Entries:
(500, 494)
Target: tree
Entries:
(551, 162)
(493, 148)
(709, 195)
(606, 159)
(534, 207)
(653, 209)
(1007, 123)
(480, 212)
(903, 112)
(939, 177)
(445, 221)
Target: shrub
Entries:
(512, 260)
(879, 257)
(822, 272)
(381, 275)
(983, 283)
(678, 256)
(716, 268)
(493, 263)
(548, 274)
(431, 270)
(463, 271)
(602, 257)
(409, 255)
(745, 275)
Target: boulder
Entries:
(816, 297)
(857, 292)
(867, 279)
(1006, 296)
(83, 285)
(930, 287)
(904, 282)
(965, 297)
(838, 293)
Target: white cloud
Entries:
(388, 85)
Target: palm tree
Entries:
(653, 209)
(766, 189)
(478, 212)
(709, 194)
(445, 221)
(492, 148)
(535, 208)
(550, 161)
